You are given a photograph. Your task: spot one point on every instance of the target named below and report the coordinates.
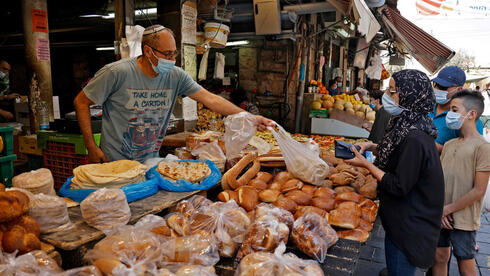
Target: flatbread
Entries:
(108, 175)
(194, 172)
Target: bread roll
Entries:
(2, 187)
(355, 235)
(275, 186)
(349, 196)
(347, 215)
(228, 195)
(325, 203)
(367, 203)
(292, 184)
(28, 223)
(22, 198)
(282, 177)
(162, 230)
(179, 223)
(341, 178)
(269, 195)
(106, 265)
(365, 225)
(306, 209)
(248, 197)
(300, 197)
(369, 190)
(286, 204)
(265, 210)
(19, 239)
(258, 184)
(264, 176)
(368, 214)
(190, 206)
(327, 183)
(309, 189)
(10, 207)
(324, 192)
(195, 270)
(344, 189)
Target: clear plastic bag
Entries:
(227, 221)
(198, 249)
(186, 270)
(35, 263)
(192, 205)
(313, 235)
(211, 151)
(50, 212)
(36, 182)
(301, 161)
(277, 264)
(239, 129)
(89, 270)
(263, 210)
(126, 251)
(264, 234)
(106, 209)
(486, 199)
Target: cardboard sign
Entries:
(39, 21)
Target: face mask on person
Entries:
(339, 84)
(441, 96)
(164, 65)
(453, 120)
(371, 105)
(2, 75)
(390, 105)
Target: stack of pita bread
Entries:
(108, 175)
(194, 172)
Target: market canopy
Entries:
(429, 51)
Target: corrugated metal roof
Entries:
(429, 51)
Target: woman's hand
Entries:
(359, 160)
(366, 146)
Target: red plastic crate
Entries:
(61, 159)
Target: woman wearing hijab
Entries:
(409, 174)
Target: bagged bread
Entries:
(50, 212)
(35, 263)
(36, 182)
(313, 235)
(126, 251)
(277, 264)
(108, 175)
(88, 270)
(106, 209)
(186, 270)
(197, 249)
(227, 221)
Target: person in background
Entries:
(449, 81)
(477, 88)
(332, 87)
(377, 131)
(409, 174)
(466, 165)
(5, 95)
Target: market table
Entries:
(76, 240)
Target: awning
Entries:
(430, 52)
(343, 6)
(368, 25)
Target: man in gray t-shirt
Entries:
(138, 96)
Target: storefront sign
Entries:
(39, 21)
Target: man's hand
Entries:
(263, 123)
(7, 115)
(95, 155)
(13, 96)
(447, 217)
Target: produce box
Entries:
(7, 169)
(7, 134)
(346, 117)
(76, 139)
(28, 145)
(315, 113)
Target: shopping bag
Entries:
(301, 160)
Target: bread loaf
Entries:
(264, 176)
(349, 196)
(22, 198)
(192, 205)
(258, 184)
(269, 195)
(179, 223)
(300, 197)
(292, 184)
(10, 207)
(275, 186)
(306, 209)
(346, 215)
(286, 204)
(195, 270)
(369, 190)
(28, 223)
(282, 177)
(309, 189)
(355, 235)
(228, 195)
(324, 192)
(325, 203)
(344, 189)
(264, 210)
(368, 214)
(19, 239)
(162, 230)
(248, 197)
(365, 225)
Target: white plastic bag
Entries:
(211, 151)
(36, 182)
(239, 129)
(106, 209)
(486, 199)
(301, 160)
(50, 212)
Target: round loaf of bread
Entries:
(105, 209)
(19, 239)
(10, 207)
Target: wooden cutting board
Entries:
(176, 140)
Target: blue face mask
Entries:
(390, 105)
(2, 75)
(372, 106)
(453, 120)
(339, 84)
(164, 65)
(441, 96)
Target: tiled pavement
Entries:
(372, 258)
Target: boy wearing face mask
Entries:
(466, 165)
(449, 81)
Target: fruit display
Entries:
(321, 88)
(347, 103)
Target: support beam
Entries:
(310, 8)
(36, 40)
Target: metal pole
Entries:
(299, 99)
(118, 26)
(36, 40)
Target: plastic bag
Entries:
(198, 249)
(239, 129)
(211, 151)
(50, 212)
(35, 263)
(89, 270)
(182, 185)
(265, 234)
(106, 209)
(263, 210)
(126, 251)
(192, 205)
(227, 221)
(486, 199)
(301, 161)
(187, 270)
(36, 182)
(313, 235)
(277, 264)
